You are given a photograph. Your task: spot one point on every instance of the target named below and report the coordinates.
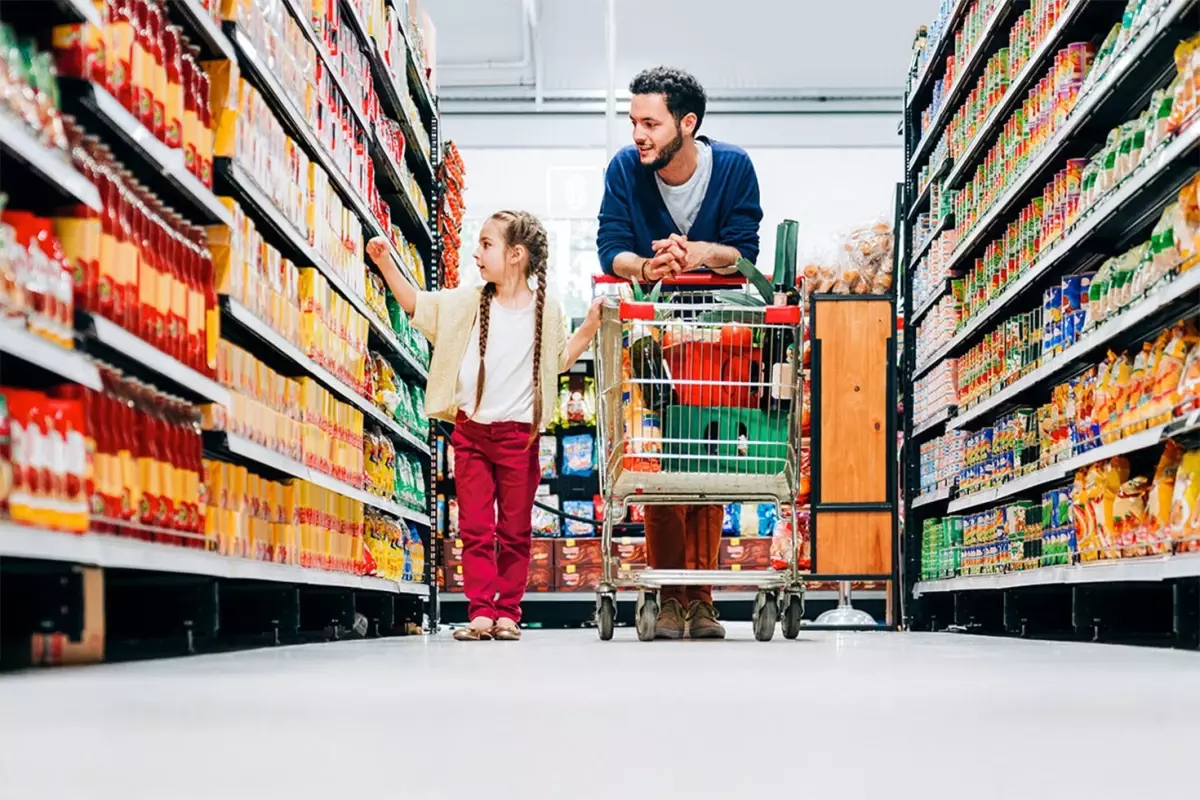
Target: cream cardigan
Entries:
(447, 319)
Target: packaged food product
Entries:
(579, 455)
(546, 523)
(579, 508)
(548, 457)
(1185, 504)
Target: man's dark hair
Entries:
(684, 93)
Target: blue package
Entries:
(579, 508)
(731, 525)
(579, 455)
(768, 515)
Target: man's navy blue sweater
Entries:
(633, 214)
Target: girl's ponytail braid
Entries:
(485, 313)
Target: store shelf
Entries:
(939, 354)
(929, 303)
(116, 552)
(156, 164)
(395, 189)
(1140, 570)
(143, 357)
(52, 166)
(1134, 316)
(234, 179)
(245, 451)
(202, 29)
(28, 15)
(1005, 12)
(628, 595)
(1060, 471)
(330, 67)
(931, 424)
(1102, 98)
(72, 365)
(235, 312)
(924, 195)
(936, 64)
(944, 224)
(929, 498)
(1038, 64)
(1159, 178)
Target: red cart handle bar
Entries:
(772, 315)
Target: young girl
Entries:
(497, 353)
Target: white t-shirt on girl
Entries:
(508, 385)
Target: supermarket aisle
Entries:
(562, 715)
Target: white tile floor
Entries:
(562, 716)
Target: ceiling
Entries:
(750, 49)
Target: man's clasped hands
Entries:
(675, 255)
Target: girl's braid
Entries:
(485, 313)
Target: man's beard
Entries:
(668, 152)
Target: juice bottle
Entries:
(212, 312)
(156, 32)
(173, 64)
(177, 317)
(166, 281)
(197, 347)
(161, 429)
(131, 486)
(143, 65)
(118, 52)
(125, 255)
(190, 118)
(204, 129)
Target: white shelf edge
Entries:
(1151, 569)
(930, 498)
(952, 23)
(207, 27)
(928, 304)
(1060, 471)
(1083, 106)
(116, 552)
(1108, 205)
(50, 163)
(1161, 297)
(932, 422)
(70, 364)
(154, 359)
(170, 162)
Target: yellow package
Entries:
(1181, 525)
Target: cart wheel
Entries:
(606, 616)
(647, 616)
(793, 615)
(766, 613)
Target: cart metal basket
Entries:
(699, 403)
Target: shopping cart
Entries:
(699, 399)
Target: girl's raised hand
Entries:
(377, 251)
(592, 321)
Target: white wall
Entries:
(827, 190)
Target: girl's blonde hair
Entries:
(523, 229)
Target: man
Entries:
(677, 202)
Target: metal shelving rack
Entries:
(1087, 600)
(206, 592)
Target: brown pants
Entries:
(684, 537)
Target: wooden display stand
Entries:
(853, 437)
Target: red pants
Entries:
(497, 475)
(684, 537)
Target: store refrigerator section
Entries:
(212, 414)
(1053, 299)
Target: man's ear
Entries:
(687, 125)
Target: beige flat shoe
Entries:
(477, 630)
(506, 631)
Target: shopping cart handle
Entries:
(700, 279)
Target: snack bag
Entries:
(1152, 537)
(545, 523)
(1129, 515)
(547, 457)
(579, 455)
(1188, 389)
(1185, 504)
(579, 508)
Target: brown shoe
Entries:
(671, 620)
(702, 621)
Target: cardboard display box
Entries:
(745, 553)
(576, 578)
(580, 552)
(630, 551)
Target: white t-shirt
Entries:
(508, 384)
(683, 201)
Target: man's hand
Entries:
(688, 256)
(663, 265)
